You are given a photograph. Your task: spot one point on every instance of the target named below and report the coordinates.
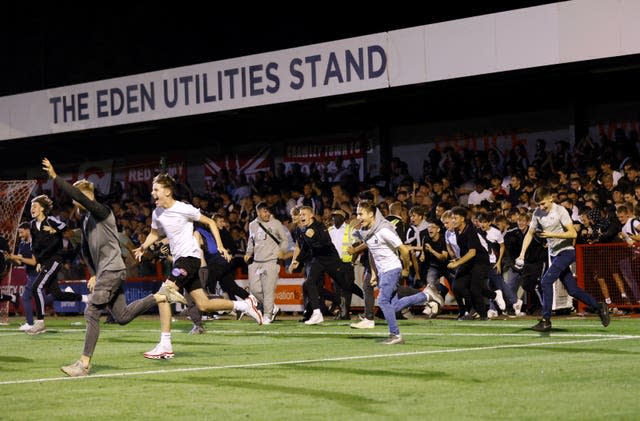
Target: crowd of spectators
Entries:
(591, 174)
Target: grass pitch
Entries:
(447, 370)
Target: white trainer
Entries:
(252, 309)
(315, 319)
(37, 328)
(160, 352)
(25, 327)
(274, 313)
(500, 300)
(266, 320)
(492, 314)
(363, 324)
(517, 307)
(434, 294)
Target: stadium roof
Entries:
(57, 45)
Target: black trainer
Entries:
(603, 313)
(544, 325)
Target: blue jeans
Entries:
(496, 282)
(511, 281)
(559, 269)
(388, 298)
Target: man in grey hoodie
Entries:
(268, 242)
(102, 254)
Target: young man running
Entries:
(174, 220)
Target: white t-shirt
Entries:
(628, 229)
(476, 198)
(450, 238)
(495, 236)
(176, 223)
(382, 246)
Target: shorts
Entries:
(185, 273)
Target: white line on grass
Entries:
(319, 360)
(350, 332)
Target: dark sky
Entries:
(56, 44)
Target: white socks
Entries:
(165, 339)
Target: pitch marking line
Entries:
(319, 360)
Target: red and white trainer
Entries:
(160, 352)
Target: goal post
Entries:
(14, 195)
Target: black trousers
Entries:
(318, 266)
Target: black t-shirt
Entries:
(468, 239)
(305, 254)
(438, 245)
(317, 238)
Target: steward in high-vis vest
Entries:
(341, 234)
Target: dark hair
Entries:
(263, 205)
(365, 195)
(368, 206)
(460, 211)
(484, 217)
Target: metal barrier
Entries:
(610, 271)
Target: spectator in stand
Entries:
(555, 224)
(532, 175)
(515, 188)
(519, 158)
(606, 167)
(631, 175)
(480, 193)
(592, 175)
(540, 155)
(311, 197)
(497, 191)
(437, 190)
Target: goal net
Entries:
(14, 195)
